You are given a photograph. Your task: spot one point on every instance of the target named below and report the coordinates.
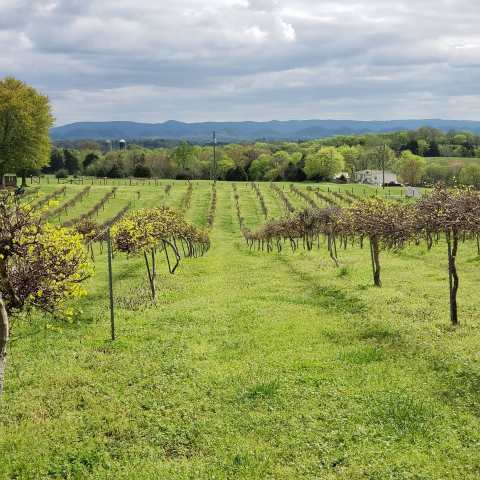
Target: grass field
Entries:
(445, 161)
(251, 365)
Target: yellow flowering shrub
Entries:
(41, 265)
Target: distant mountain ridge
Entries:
(247, 131)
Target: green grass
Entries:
(250, 366)
(453, 160)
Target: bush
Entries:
(142, 171)
(116, 172)
(62, 173)
(183, 176)
(92, 170)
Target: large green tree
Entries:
(57, 162)
(25, 122)
(324, 164)
(411, 168)
(72, 161)
(184, 155)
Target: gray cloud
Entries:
(246, 59)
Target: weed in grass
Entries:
(379, 334)
(400, 415)
(362, 356)
(343, 272)
(264, 390)
(139, 298)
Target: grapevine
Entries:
(261, 199)
(213, 207)
(281, 194)
(152, 231)
(69, 204)
(94, 210)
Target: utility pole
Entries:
(383, 164)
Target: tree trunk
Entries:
(151, 279)
(375, 251)
(453, 280)
(4, 336)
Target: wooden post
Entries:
(110, 285)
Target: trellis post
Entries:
(110, 285)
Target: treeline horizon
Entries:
(415, 156)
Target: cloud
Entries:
(246, 59)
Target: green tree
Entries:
(351, 156)
(433, 150)
(89, 159)
(423, 147)
(57, 161)
(25, 122)
(183, 155)
(72, 161)
(411, 168)
(225, 163)
(142, 171)
(260, 166)
(324, 164)
(470, 175)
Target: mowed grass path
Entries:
(251, 366)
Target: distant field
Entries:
(453, 160)
(251, 365)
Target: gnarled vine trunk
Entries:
(151, 274)
(4, 336)
(453, 280)
(332, 249)
(375, 252)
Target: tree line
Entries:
(287, 161)
(424, 156)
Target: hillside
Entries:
(238, 131)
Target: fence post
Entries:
(110, 285)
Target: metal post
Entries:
(110, 284)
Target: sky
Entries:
(226, 60)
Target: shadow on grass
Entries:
(459, 382)
(328, 298)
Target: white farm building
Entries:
(375, 177)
